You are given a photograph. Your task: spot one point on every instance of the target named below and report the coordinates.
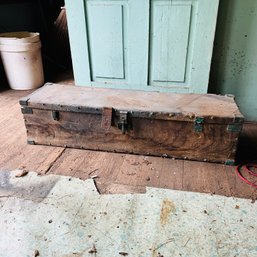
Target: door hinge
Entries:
(26, 110)
(235, 128)
(123, 121)
(198, 125)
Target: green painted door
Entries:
(154, 45)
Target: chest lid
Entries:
(155, 105)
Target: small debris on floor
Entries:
(147, 162)
(94, 177)
(123, 253)
(36, 254)
(93, 250)
(91, 172)
(131, 173)
(21, 173)
(237, 207)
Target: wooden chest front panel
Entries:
(157, 137)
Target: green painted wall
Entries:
(234, 65)
(19, 16)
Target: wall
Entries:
(19, 16)
(234, 65)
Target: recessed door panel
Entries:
(106, 39)
(155, 45)
(170, 25)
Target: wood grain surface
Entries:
(113, 172)
(159, 124)
(188, 106)
(149, 137)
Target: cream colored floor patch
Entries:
(66, 217)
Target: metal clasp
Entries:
(198, 125)
(123, 121)
(55, 115)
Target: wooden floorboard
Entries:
(112, 172)
(15, 153)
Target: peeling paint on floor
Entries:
(66, 217)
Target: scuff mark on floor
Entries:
(167, 208)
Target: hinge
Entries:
(238, 120)
(26, 110)
(230, 162)
(24, 101)
(123, 121)
(235, 128)
(55, 115)
(198, 125)
(230, 95)
(31, 142)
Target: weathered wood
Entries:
(185, 107)
(125, 173)
(117, 173)
(15, 153)
(153, 137)
(73, 117)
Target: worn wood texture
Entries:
(125, 173)
(15, 152)
(163, 127)
(153, 137)
(113, 172)
(214, 108)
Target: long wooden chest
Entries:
(189, 126)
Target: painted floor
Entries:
(63, 216)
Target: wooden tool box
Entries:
(200, 127)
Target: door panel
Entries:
(153, 45)
(106, 41)
(170, 26)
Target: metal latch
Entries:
(26, 110)
(123, 121)
(55, 115)
(234, 128)
(198, 126)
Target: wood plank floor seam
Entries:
(53, 162)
